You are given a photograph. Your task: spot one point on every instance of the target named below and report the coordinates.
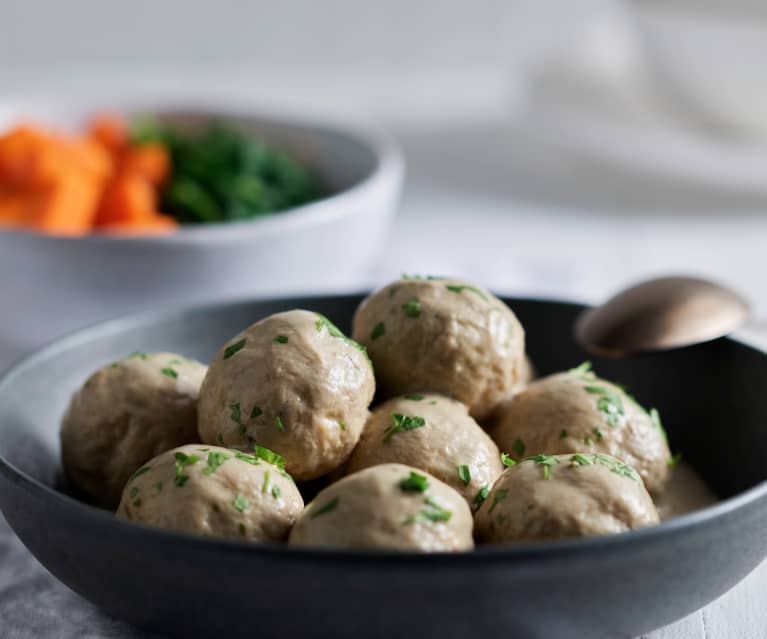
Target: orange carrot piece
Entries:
(109, 131)
(150, 160)
(69, 207)
(127, 199)
(16, 208)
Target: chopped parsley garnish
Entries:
(433, 402)
(341, 425)
(480, 497)
(133, 492)
(507, 460)
(464, 473)
(115, 365)
(256, 412)
(433, 513)
(169, 372)
(140, 471)
(137, 502)
(324, 322)
(279, 424)
(459, 288)
(412, 308)
(547, 461)
(182, 461)
(234, 348)
(265, 486)
(674, 461)
(328, 507)
(220, 438)
(276, 492)
(379, 330)
(498, 497)
(402, 423)
(281, 339)
(519, 447)
(583, 370)
(235, 413)
(175, 362)
(248, 459)
(414, 398)
(215, 459)
(612, 464)
(414, 483)
(597, 434)
(240, 503)
(269, 456)
(609, 402)
(139, 355)
(562, 434)
(588, 441)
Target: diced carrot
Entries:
(128, 198)
(150, 160)
(92, 157)
(156, 224)
(110, 131)
(68, 207)
(16, 208)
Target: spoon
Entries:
(660, 314)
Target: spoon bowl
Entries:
(660, 314)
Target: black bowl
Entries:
(712, 398)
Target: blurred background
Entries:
(553, 148)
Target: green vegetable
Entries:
(519, 447)
(139, 355)
(481, 496)
(341, 425)
(464, 473)
(221, 174)
(220, 438)
(235, 413)
(324, 322)
(140, 471)
(256, 412)
(248, 459)
(265, 486)
(328, 507)
(608, 402)
(269, 456)
(281, 339)
(402, 423)
(433, 513)
(379, 330)
(276, 492)
(414, 398)
(214, 461)
(547, 461)
(459, 288)
(279, 424)
(182, 461)
(133, 492)
(674, 461)
(583, 370)
(597, 434)
(498, 497)
(507, 460)
(234, 348)
(169, 372)
(563, 434)
(412, 308)
(414, 483)
(612, 464)
(240, 503)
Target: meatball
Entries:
(391, 506)
(552, 497)
(576, 412)
(432, 433)
(293, 383)
(442, 336)
(126, 413)
(214, 491)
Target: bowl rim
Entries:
(387, 172)
(541, 551)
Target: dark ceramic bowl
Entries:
(713, 401)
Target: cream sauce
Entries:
(685, 492)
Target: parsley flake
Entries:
(182, 461)
(235, 413)
(265, 486)
(215, 459)
(519, 447)
(481, 496)
(328, 507)
(256, 412)
(432, 513)
(414, 483)
(324, 322)
(674, 461)
(240, 503)
(269, 456)
(402, 423)
(140, 471)
(169, 372)
(276, 492)
(563, 434)
(547, 461)
(279, 424)
(498, 497)
(459, 288)
(379, 330)
(415, 398)
(281, 339)
(234, 348)
(464, 473)
(412, 308)
(507, 460)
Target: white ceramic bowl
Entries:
(51, 285)
(710, 56)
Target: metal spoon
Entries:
(660, 314)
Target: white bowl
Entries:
(710, 58)
(51, 285)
